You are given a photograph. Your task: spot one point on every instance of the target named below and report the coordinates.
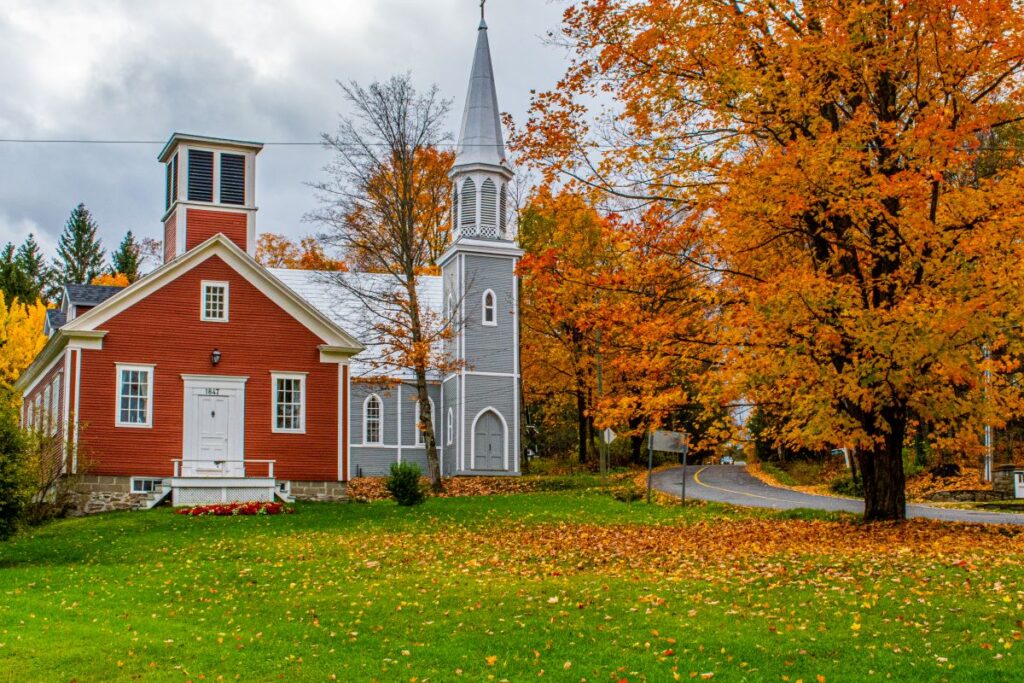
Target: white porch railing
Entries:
(220, 468)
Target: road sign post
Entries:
(650, 463)
(682, 497)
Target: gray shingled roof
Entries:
(55, 318)
(90, 295)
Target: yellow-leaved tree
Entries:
(21, 339)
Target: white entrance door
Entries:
(214, 428)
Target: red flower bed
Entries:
(235, 509)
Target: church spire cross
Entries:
(482, 3)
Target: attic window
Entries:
(232, 179)
(215, 302)
(200, 175)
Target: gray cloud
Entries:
(259, 70)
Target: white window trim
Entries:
(155, 481)
(202, 300)
(380, 431)
(120, 368)
(433, 421)
(274, 377)
(493, 307)
(449, 427)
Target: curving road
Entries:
(734, 485)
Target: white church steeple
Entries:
(481, 173)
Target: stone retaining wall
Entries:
(967, 496)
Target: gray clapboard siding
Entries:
(489, 348)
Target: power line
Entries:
(276, 143)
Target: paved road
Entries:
(733, 485)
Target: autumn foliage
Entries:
(277, 251)
(841, 173)
(22, 338)
(111, 280)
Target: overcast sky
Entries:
(265, 71)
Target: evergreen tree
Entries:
(127, 258)
(32, 264)
(13, 281)
(79, 251)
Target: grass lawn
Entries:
(565, 586)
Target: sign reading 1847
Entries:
(208, 391)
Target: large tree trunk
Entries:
(636, 443)
(885, 497)
(427, 427)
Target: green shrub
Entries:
(780, 475)
(847, 486)
(15, 488)
(404, 484)
(629, 493)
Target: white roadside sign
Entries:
(669, 442)
(609, 435)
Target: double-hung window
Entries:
(134, 395)
(289, 402)
(214, 303)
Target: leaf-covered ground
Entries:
(565, 586)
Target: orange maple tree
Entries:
(602, 289)
(829, 156)
(277, 251)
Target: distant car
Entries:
(726, 460)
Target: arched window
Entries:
(372, 418)
(468, 210)
(489, 316)
(488, 209)
(503, 210)
(433, 423)
(449, 428)
(449, 313)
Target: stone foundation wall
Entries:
(319, 491)
(1002, 479)
(101, 493)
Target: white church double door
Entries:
(214, 427)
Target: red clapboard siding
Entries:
(170, 236)
(201, 225)
(164, 330)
